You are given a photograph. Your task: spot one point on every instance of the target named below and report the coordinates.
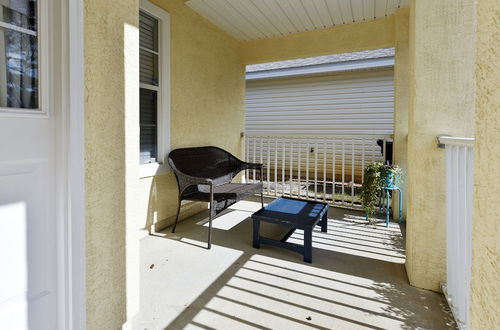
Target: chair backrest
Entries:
(206, 162)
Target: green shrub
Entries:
(374, 179)
(370, 193)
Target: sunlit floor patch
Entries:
(227, 220)
(260, 295)
(357, 237)
(250, 206)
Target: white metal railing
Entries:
(459, 196)
(327, 168)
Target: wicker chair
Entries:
(205, 173)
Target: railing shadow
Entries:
(272, 288)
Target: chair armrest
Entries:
(252, 166)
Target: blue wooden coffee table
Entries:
(295, 214)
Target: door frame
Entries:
(70, 158)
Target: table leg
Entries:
(400, 206)
(308, 245)
(387, 207)
(256, 233)
(324, 222)
(380, 202)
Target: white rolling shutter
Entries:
(359, 103)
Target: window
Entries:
(154, 108)
(19, 58)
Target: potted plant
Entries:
(376, 177)
(391, 176)
(370, 193)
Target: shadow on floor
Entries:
(357, 278)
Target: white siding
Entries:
(341, 104)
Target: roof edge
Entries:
(382, 62)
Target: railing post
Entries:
(343, 172)
(268, 164)
(253, 155)
(283, 161)
(352, 174)
(384, 150)
(316, 170)
(324, 170)
(291, 167)
(307, 169)
(247, 147)
(276, 167)
(362, 160)
(374, 141)
(299, 172)
(261, 158)
(334, 160)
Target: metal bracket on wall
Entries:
(438, 141)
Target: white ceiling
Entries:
(258, 19)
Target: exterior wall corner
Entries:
(441, 82)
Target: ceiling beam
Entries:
(335, 40)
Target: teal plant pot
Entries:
(389, 180)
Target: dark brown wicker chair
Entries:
(205, 173)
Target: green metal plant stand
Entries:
(386, 196)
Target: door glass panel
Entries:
(19, 55)
(20, 13)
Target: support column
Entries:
(111, 123)
(485, 292)
(442, 37)
(401, 101)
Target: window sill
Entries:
(153, 169)
(23, 113)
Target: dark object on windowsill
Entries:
(204, 174)
(388, 154)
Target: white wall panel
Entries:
(380, 8)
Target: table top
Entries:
(292, 211)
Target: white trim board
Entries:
(75, 230)
(148, 170)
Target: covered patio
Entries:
(191, 93)
(357, 278)
(96, 95)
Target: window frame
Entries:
(163, 91)
(45, 74)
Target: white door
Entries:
(28, 228)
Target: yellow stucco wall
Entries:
(207, 91)
(486, 212)
(335, 40)
(110, 298)
(207, 88)
(441, 102)
(401, 100)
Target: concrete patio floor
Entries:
(357, 279)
